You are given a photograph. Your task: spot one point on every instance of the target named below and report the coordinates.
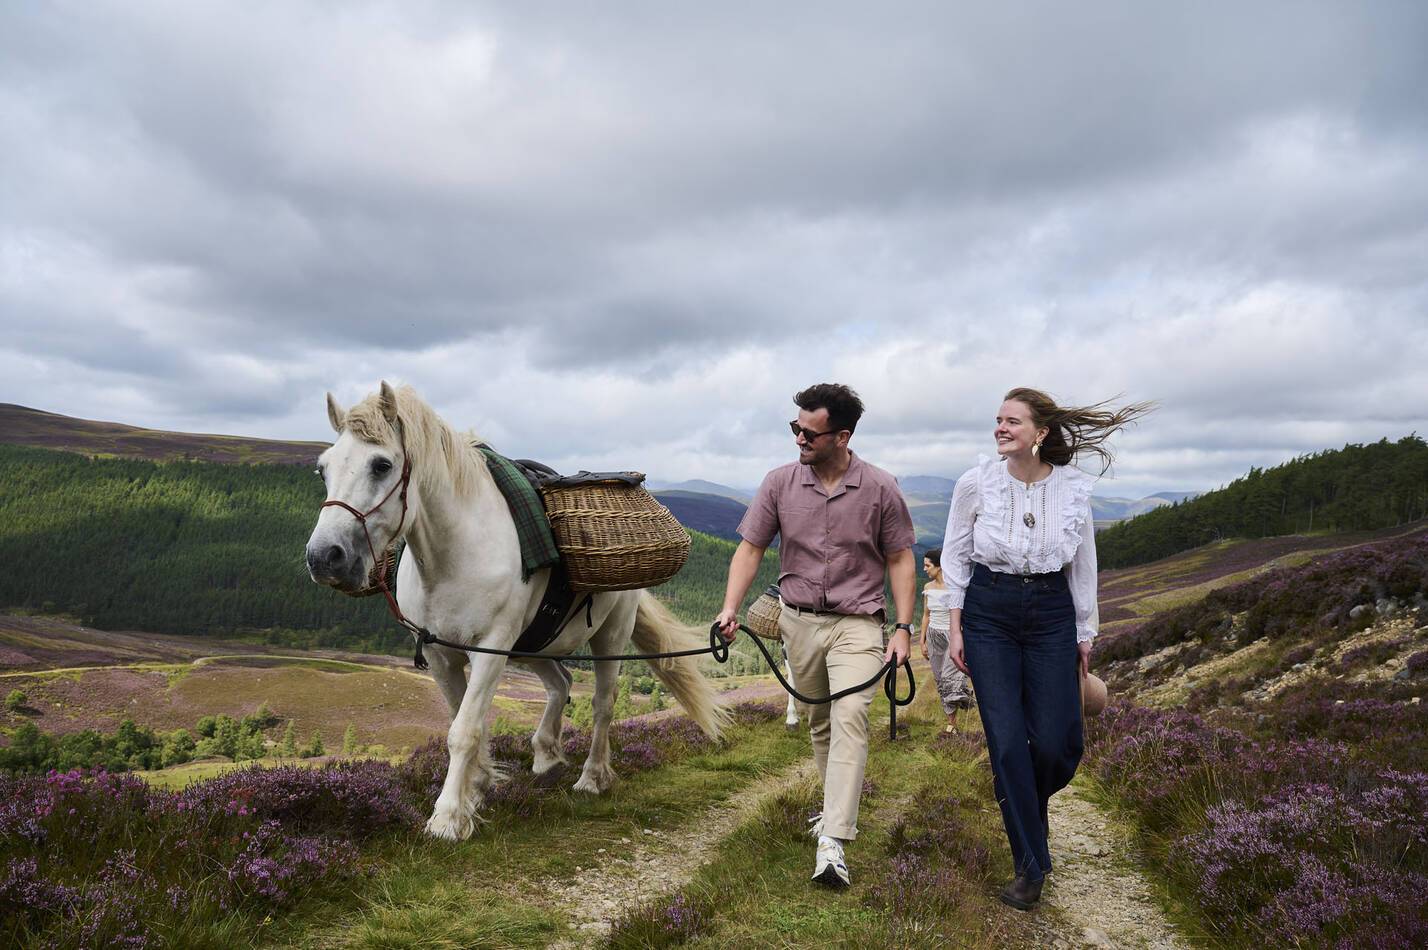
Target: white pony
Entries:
(460, 577)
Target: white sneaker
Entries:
(830, 868)
(815, 826)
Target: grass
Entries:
(443, 916)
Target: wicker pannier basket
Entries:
(612, 533)
(764, 613)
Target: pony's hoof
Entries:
(450, 827)
(455, 823)
(595, 783)
(544, 763)
(791, 726)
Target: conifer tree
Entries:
(288, 746)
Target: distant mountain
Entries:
(702, 487)
(929, 509)
(20, 425)
(1174, 496)
(926, 488)
(1118, 509)
(700, 511)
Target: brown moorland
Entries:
(77, 678)
(35, 428)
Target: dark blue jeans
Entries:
(1019, 634)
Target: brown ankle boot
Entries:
(1021, 893)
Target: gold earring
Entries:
(1035, 449)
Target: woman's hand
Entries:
(925, 654)
(1083, 658)
(955, 652)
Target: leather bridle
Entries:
(380, 565)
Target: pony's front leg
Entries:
(471, 770)
(448, 669)
(597, 776)
(545, 742)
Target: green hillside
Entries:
(1356, 488)
(208, 549)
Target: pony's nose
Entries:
(326, 559)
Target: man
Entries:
(842, 523)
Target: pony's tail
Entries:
(658, 631)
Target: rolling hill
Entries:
(1357, 488)
(714, 515)
(20, 425)
(701, 487)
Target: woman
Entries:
(952, 686)
(1019, 556)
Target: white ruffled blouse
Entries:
(987, 524)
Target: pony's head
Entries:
(366, 473)
(390, 434)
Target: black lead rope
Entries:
(719, 649)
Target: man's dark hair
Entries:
(843, 405)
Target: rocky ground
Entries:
(1100, 895)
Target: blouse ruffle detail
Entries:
(1070, 499)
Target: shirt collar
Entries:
(852, 478)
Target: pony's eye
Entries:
(381, 466)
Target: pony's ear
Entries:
(335, 415)
(389, 404)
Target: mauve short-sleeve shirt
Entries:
(834, 547)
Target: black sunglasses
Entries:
(808, 434)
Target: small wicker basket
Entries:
(612, 533)
(764, 613)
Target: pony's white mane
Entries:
(441, 457)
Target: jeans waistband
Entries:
(1000, 577)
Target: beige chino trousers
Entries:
(827, 653)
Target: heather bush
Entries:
(1299, 839)
(1292, 601)
(102, 859)
(665, 922)
(356, 799)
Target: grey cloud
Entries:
(1095, 198)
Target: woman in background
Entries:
(952, 686)
(1019, 555)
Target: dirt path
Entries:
(1102, 898)
(658, 864)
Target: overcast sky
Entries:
(622, 235)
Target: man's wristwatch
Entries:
(903, 626)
